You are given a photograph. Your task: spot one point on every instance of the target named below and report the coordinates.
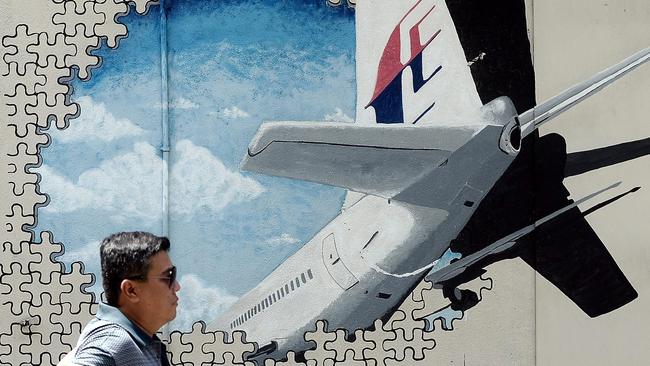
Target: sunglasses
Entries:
(170, 277)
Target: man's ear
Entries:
(129, 291)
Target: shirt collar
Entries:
(112, 314)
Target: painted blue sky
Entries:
(233, 65)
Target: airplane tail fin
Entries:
(411, 67)
(542, 113)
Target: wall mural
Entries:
(353, 228)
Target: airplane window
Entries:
(274, 297)
(278, 294)
(292, 286)
(297, 282)
(309, 274)
(270, 299)
(282, 291)
(286, 289)
(302, 277)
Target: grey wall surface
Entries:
(572, 41)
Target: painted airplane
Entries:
(423, 155)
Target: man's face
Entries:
(159, 300)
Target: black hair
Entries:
(127, 255)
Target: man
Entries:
(140, 286)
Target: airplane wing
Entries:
(544, 112)
(565, 264)
(411, 67)
(373, 159)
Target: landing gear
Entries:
(460, 299)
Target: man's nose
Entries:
(177, 286)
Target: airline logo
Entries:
(403, 49)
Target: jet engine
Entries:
(501, 111)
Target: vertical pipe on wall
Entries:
(164, 102)
(165, 140)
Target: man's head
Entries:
(139, 277)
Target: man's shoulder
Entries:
(107, 338)
(98, 328)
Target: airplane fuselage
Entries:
(364, 262)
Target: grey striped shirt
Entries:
(111, 339)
